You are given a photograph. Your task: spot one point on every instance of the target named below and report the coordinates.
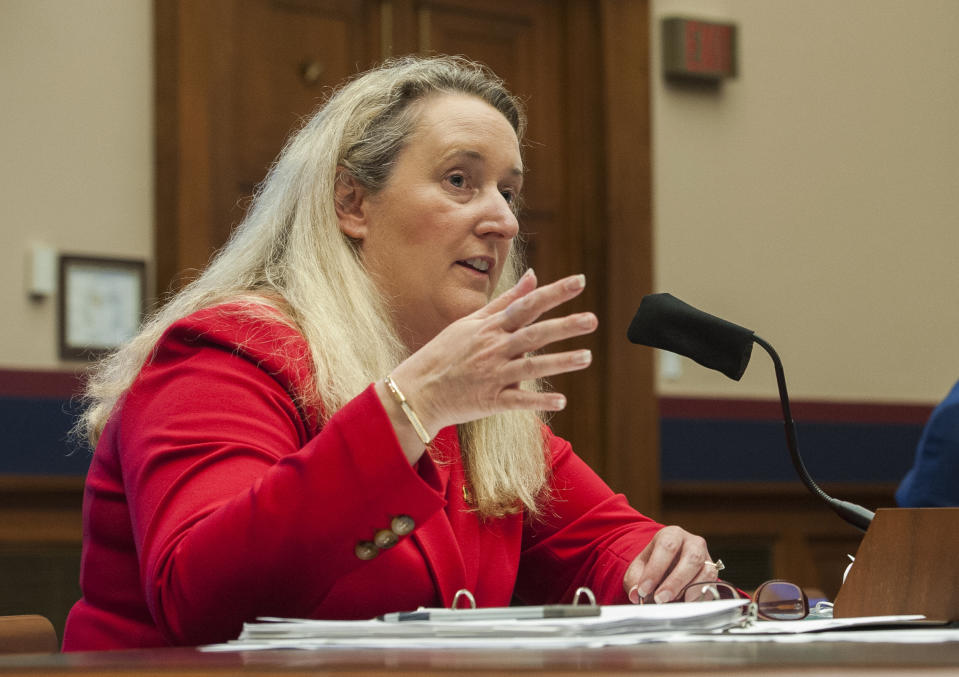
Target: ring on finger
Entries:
(718, 564)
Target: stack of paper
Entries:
(612, 625)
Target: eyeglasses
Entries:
(774, 600)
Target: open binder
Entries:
(564, 625)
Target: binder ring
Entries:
(584, 592)
(460, 594)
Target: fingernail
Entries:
(643, 589)
(634, 594)
(586, 321)
(529, 273)
(576, 282)
(583, 357)
(662, 597)
(559, 402)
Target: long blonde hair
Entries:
(289, 254)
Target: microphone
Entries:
(665, 322)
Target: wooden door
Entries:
(235, 76)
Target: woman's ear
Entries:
(348, 196)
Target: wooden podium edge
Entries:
(907, 563)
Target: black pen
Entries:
(516, 613)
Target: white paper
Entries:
(822, 624)
(898, 636)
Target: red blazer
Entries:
(213, 499)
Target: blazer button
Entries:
(384, 538)
(366, 550)
(401, 525)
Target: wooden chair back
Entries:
(27, 633)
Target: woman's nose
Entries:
(497, 217)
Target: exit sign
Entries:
(698, 49)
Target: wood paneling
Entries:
(631, 418)
(36, 509)
(40, 536)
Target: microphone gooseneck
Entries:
(855, 514)
(665, 322)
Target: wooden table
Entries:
(675, 660)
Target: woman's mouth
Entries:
(478, 264)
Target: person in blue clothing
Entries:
(933, 480)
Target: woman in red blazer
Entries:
(337, 419)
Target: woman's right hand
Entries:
(473, 368)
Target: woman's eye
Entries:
(509, 196)
(457, 180)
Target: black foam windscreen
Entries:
(663, 321)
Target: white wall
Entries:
(76, 149)
(815, 198)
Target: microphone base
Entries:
(907, 563)
(856, 515)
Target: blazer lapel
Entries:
(465, 524)
(436, 538)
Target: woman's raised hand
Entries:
(473, 368)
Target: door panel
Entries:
(288, 56)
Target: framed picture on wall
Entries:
(101, 302)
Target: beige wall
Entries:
(815, 199)
(76, 149)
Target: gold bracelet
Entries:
(407, 409)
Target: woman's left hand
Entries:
(671, 561)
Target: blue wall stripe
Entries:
(35, 438)
(713, 450)
(36, 443)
